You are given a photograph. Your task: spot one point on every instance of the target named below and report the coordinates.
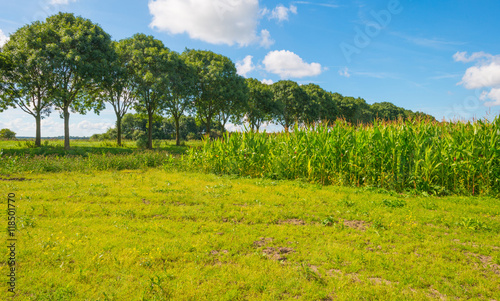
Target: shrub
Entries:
(7, 134)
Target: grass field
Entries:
(168, 233)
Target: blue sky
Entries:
(439, 57)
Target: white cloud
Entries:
(245, 66)
(265, 39)
(344, 72)
(484, 75)
(462, 56)
(61, 2)
(20, 125)
(289, 65)
(99, 126)
(494, 95)
(267, 81)
(3, 38)
(217, 22)
(281, 12)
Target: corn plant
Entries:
(431, 157)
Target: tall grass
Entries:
(430, 157)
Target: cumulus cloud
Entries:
(99, 126)
(493, 95)
(281, 13)
(265, 39)
(267, 81)
(287, 64)
(3, 38)
(244, 66)
(217, 22)
(20, 126)
(482, 75)
(344, 72)
(485, 74)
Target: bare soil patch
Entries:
(278, 253)
(358, 225)
(215, 252)
(262, 242)
(377, 280)
(487, 261)
(293, 221)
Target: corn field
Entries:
(413, 155)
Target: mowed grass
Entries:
(85, 147)
(159, 234)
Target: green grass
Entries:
(161, 234)
(85, 156)
(86, 147)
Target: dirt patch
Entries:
(215, 252)
(487, 261)
(14, 179)
(334, 273)
(277, 253)
(354, 278)
(435, 294)
(314, 268)
(293, 221)
(358, 225)
(377, 280)
(262, 242)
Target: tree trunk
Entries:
(150, 130)
(207, 127)
(66, 128)
(177, 131)
(119, 130)
(38, 139)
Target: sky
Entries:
(438, 57)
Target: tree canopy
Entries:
(27, 73)
(261, 106)
(292, 101)
(78, 53)
(218, 84)
(71, 64)
(150, 62)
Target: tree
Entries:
(355, 110)
(117, 91)
(79, 55)
(7, 134)
(183, 80)
(387, 111)
(322, 105)
(292, 101)
(236, 101)
(261, 105)
(150, 62)
(218, 84)
(27, 73)
(5, 66)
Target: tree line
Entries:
(72, 65)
